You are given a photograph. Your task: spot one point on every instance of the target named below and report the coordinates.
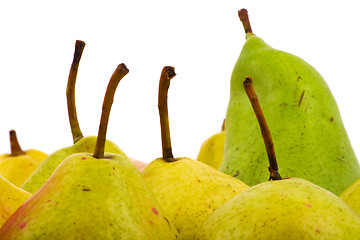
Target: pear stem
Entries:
(14, 144)
(167, 74)
(244, 18)
(70, 92)
(118, 74)
(265, 132)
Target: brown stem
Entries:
(166, 75)
(70, 92)
(118, 74)
(244, 18)
(14, 145)
(265, 132)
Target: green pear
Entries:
(296, 100)
(351, 195)
(187, 189)
(291, 208)
(92, 196)
(81, 143)
(17, 166)
(11, 197)
(212, 150)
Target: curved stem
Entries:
(244, 18)
(70, 92)
(167, 74)
(14, 145)
(118, 74)
(265, 132)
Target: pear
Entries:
(18, 165)
(291, 208)
(81, 143)
(11, 197)
(287, 209)
(296, 100)
(351, 195)
(16, 149)
(187, 189)
(212, 150)
(92, 196)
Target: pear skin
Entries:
(285, 209)
(189, 191)
(212, 150)
(302, 113)
(17, 169)
(11, 198)
(47, 167)
(351, 195)
(91, 198)
(37, 155)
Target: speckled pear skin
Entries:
(89, 198)
(48, 166)
(284, 209)
(302, 115)
(212, 150)
(11, 197)
(189, 191)
(351, 196)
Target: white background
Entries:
(201, 39)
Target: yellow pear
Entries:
(284, 209)
(11, 197)
(187, 189)
(18, 165)
(351, 195)
(212, 150)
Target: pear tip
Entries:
(79, 48)
(244, 18)
(123, 67)
(243, 14)
(170, 71)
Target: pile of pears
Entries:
(92, 189)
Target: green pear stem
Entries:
(70, 92)
(244, 18)
(265, 132)
(167, 74)
(118, 74)
(14, 144)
